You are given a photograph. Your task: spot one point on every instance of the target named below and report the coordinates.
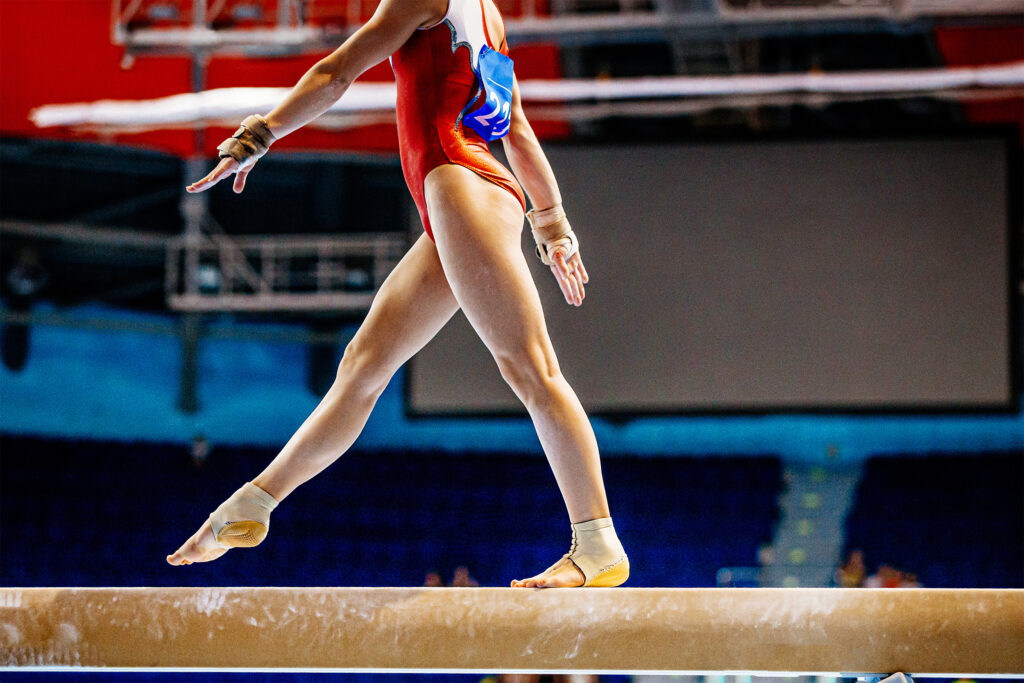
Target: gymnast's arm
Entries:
(535, 175)
(527, 158)
(327, 80)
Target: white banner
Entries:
(372, 102)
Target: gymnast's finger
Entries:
(570, 284)
(563, 284)
(578, 279)
(225, 168)
(240, 177)
(559, 258)
(579, 284)
(578, 262)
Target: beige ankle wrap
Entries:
(597, 552)
(243, 519)
(551, 230)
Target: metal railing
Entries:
(302, 273)
(213, 271)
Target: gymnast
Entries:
(456, 93)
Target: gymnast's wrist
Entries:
(542, 218)
(250, 142)
(551, 231)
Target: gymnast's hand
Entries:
(225, 168)
(571, 275)
(238, 154)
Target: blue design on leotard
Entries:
(492, 119)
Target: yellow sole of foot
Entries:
(611, 577)
(242, 534)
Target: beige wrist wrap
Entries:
(244, 518)
(598, 553)
(250, 141)
(551, 230)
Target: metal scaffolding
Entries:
(262, 27)
(214, 272)
(337, 273)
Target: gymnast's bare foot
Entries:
(562, 574)
(241, 521)
(202, 547)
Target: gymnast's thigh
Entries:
(410, 308)
(478, 226)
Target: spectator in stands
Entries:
(852, 572)
(766, 554)
(909, 580)
(462, 579)
(199, 450)
(887, 576)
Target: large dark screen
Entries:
(768, 276)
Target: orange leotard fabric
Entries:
(436, 86)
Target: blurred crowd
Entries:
(853, 574)
(460, 579)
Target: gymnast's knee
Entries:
(532, 373)
(363, 369)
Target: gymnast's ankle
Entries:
(598, 553)
(242, 521)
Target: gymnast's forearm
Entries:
(314, 94)
(531, 166)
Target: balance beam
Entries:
(924, 632)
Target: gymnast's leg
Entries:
(413, 304)
(477, 226)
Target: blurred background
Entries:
(801, 343)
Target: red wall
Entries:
(985, 45)
(66, 55)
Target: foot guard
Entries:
(242, 521)
(598, 554)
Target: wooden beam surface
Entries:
(730, 630)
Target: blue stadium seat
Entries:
(954, 520)
(118, 508)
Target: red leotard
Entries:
(436, 83)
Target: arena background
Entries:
(802, 337)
